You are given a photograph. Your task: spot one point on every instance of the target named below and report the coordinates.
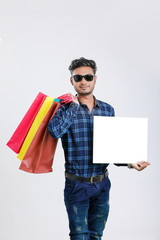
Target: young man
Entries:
(87, 185)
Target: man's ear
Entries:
(71, 80)
(95, 78)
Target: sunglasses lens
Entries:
(88, 77)
(77, 78)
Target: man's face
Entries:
(83, 87)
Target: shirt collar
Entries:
(96, 102)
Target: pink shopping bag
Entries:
(20, 133)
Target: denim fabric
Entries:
(87, 206)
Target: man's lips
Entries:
(83, 87)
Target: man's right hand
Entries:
(75, 99)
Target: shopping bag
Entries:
(40, 154)
(35, 125)
(20, 133)
(33, 142)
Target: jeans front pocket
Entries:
(106, 185)
(70, 186)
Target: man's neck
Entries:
(86, 99)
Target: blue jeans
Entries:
(87, 205)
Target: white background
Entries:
(38, 41)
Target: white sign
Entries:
(119, 139)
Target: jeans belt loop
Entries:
(101, 178)
(92, 179)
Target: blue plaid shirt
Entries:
(73, 123)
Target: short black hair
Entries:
(82, 62)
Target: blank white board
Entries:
(119, 139)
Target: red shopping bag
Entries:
(40, 154)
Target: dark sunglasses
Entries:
(87, 77)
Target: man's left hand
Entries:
(140, 165)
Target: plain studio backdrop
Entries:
(38, 41)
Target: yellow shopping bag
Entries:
(35, 125)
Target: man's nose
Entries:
(83, 80)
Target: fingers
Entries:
(75, 100)
(140, 165)
(143, 164)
